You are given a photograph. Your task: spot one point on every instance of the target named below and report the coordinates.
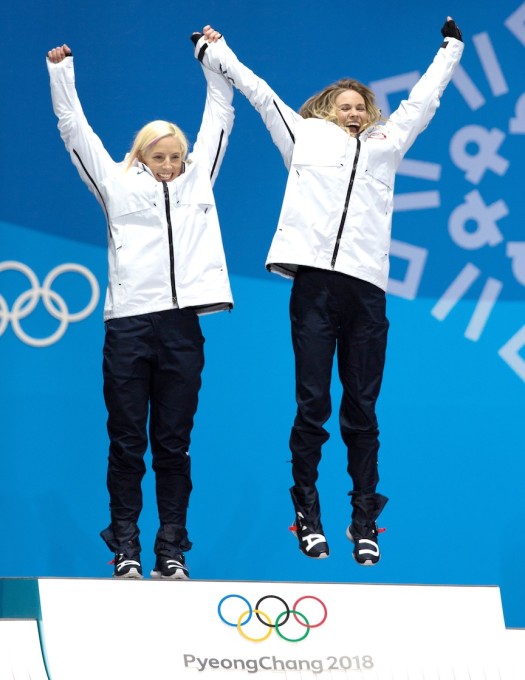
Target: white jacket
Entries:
(337, 208)
(154, 263)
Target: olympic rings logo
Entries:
(246, 613)
(53, 302)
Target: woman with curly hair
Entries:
(333, 240)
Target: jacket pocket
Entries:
(381, 187)
(129, 194)
(320, 143)
(126, 208)
(196, 192)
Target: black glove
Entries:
(195, 37)
(451, 30)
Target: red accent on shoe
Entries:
(292, 528)
(112, 561)
(381, 530)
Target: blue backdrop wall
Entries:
(451, 409)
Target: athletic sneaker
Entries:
(366, 549)
(126, 567)
(170, 568)
(312, 541)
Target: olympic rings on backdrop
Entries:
(53, 302)
(245, 616)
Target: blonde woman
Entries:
(333, 239)
(166, 266)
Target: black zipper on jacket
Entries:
(170, 241)
(347, 201)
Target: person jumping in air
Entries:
(166, 267)
(333, 239)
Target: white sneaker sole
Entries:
(132, 574)
(178, 575)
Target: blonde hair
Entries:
(322, 104)
(150, 134)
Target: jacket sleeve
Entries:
(216, 125)
(415, 113)
(279, 118)
(87, 151)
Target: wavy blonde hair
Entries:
(150, 134)
(322, 104)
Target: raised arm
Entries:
(279, 118)
(87, 151)
(415, 113)
(217, 119)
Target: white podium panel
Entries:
(20, 653)
(514, 654)
(228, 630)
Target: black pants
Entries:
(152, 365)
(331, 311)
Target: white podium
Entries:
(229, 630)
(20, 651)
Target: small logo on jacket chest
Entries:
(377, 134)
